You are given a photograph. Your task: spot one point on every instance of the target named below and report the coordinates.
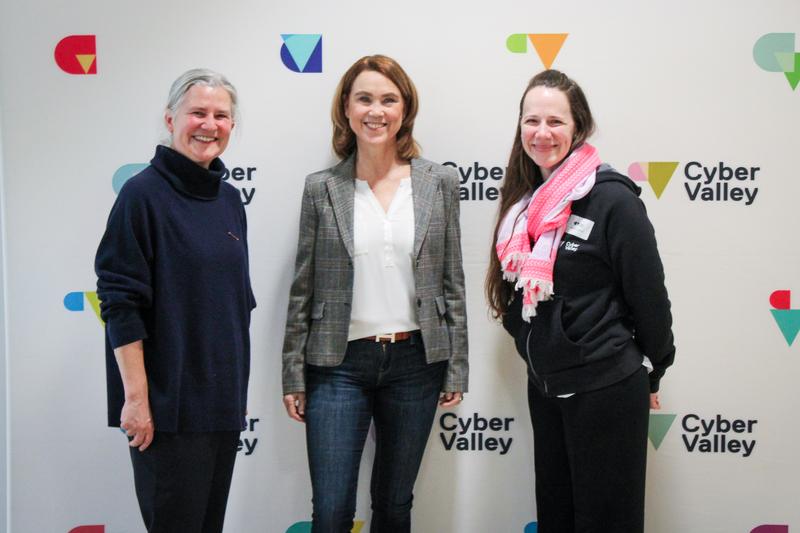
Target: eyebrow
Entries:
(367, 93)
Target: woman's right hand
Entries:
(295, 403)
(137, 422)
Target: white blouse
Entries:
(383, 283)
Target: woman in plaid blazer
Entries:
(376, 328)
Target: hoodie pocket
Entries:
(549, 348)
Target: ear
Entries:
(168, 121)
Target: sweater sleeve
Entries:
(122, 265)
(640, 274)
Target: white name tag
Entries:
(579, 226)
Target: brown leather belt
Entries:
(391, 337)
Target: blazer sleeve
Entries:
(300, 294)
(122, 265)
(457, 376)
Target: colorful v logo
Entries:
(547, 45)
(658, 427)
(302, 52)
(774, 52)
(74, 301)
(77, 54)
(656, 173)
(788, 319)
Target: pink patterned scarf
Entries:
(541, 218)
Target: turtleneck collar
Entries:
(188, 177)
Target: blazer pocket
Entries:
(441, 306)
(317, 310)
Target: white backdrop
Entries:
(668, 82)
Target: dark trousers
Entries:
(182, 480)
(392, 385)
(590, 455)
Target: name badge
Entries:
(579, 226)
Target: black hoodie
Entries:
(610, 306)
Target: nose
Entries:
(376, 109)
(208, 122)
(542, 130)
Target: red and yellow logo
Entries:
(77, 54)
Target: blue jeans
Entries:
(392, 385)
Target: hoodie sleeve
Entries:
(122, 264)
(640, 274)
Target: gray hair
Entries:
(201, 76)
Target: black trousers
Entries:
(182, 480)
(590, 455)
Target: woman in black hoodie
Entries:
(576, 277)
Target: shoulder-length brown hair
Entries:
(523, 176)
(344, 140)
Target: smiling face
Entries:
(547, 127)
(374, 109)
(202, 123)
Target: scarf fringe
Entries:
(539, 291)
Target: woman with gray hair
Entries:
(175, 295)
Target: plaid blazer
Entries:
(320, 299)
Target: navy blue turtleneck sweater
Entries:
(173, 271)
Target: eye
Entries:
(390, 100)
(530, 121)
(198, 114)
(363, 99)
(221, 116)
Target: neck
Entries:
(546, 172)
(376, 163)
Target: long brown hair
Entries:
(523, 176)
(344, 140)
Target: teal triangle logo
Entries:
(658, 427)
(301, 46)
(788, 321)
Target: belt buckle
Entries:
(388, 337)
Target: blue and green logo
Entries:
(774, 52)
(76, 301)
(305, 527)
(302, 52)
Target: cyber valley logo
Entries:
(476, 433)
(240, 177)
(774, 52)
(547, 45)
(302, 52)
(719, 182)
(77, 54)
(716, 434)
(305, 527)
(788, 319)
(76, 301)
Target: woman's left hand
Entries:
(450, 399)
(654, 402)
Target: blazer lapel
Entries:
(423, 190)
(341, 189)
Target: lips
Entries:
(375, 125)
